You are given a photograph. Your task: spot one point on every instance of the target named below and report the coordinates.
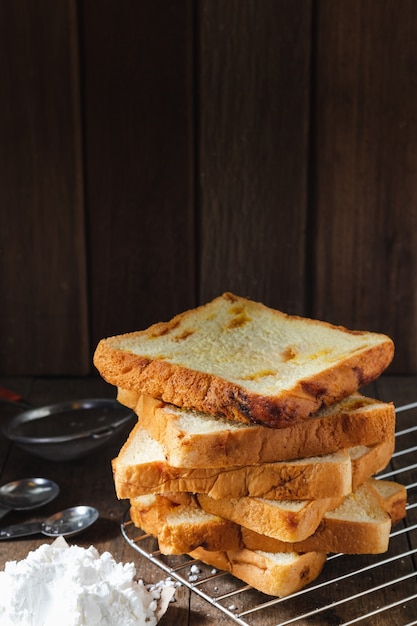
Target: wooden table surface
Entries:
(89, 481)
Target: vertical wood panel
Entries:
(138, 67)
(366, 169)
(43, 316)
(253, 152)
(153, 248)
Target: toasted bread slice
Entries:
(275, 574)
(361, 522)
(141, 468)
(287, 520)
(360, 525)
(181, 528)
(369, 460)
(393, 498)
(194, 439)
(244, 361)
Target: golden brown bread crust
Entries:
(273, 481)
(331, 536)
(128, 398)
(182, 538)
(393, 500)
(340, 534)
(212, 394)
(263, 517)
(257, 570)
(376, 459)
(362, 525)
(347, 425)
(313, 477)
(302, 479)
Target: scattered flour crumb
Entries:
(192, 578)
(74, 586)
(194, 572)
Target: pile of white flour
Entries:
(62, 585)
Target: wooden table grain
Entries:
(89, 481)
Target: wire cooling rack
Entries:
(359, 589)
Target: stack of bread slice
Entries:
(254, 450)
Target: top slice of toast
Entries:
(244, 361)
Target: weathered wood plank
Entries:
(365, 170)
(43, 313)
(138, 68)
(253, 149)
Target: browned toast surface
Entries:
(244, 361)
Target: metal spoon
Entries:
(69, 522)
(25, 494)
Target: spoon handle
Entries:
(3, 511)
(20, 530)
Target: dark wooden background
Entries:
(155, 153)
